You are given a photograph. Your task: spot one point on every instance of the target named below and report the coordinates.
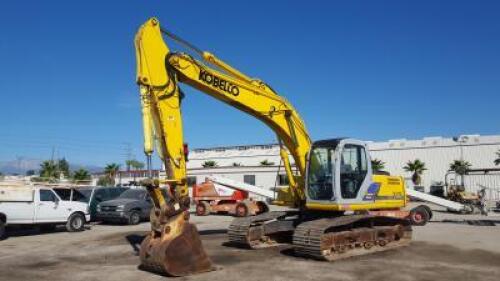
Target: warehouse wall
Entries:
(436, 152)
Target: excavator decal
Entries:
(218, 82)
(371, 192)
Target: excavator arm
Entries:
(158, 73)
(173, 245)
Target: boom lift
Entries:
(342, 209)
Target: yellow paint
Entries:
(390, 187)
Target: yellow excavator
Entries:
(340, 208)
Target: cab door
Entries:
(353, 171)
(49, 208)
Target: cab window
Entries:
(320, 175)
(353, 170)
(47, 195)
(64, 193)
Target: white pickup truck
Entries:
(38, 205)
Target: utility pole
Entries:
(127, 153)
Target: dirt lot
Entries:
(441, 251)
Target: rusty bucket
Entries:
(176, 250)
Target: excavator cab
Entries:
(339, 172)
(339, 178)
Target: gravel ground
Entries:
(445, 249)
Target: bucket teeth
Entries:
(176, 251)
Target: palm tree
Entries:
(416, 167)
(137, 165)
(209, 164)
(266, 162)
(128, 164)
(63, 166)
(48, 169)
(377, 165)
(460, 166)
(497, 161)
(111, 169)
(81, 175)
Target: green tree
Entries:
(106, 180)
(209, 164)
(110, 172)
(63, 167)
(137, 165)
(81, 175)
(416, 167)
(134, 164)
(111, 169)
(48, 170)
(30, 173)
(128, 164)
(460, 166)
(377, 165)
(497, 161)
(266, 162)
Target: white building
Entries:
(436, 152)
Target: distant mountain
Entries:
(91, 168)
(21, 165)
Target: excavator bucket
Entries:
(176, 250)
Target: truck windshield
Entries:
(320, 174)
(133, 194)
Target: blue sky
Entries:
(373, 70)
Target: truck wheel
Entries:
(202, 209)
(419, 216)
(134, 218)
(241, 210)
(76, 222)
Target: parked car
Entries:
(33, 205)
(131, 207)
(93, 195)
